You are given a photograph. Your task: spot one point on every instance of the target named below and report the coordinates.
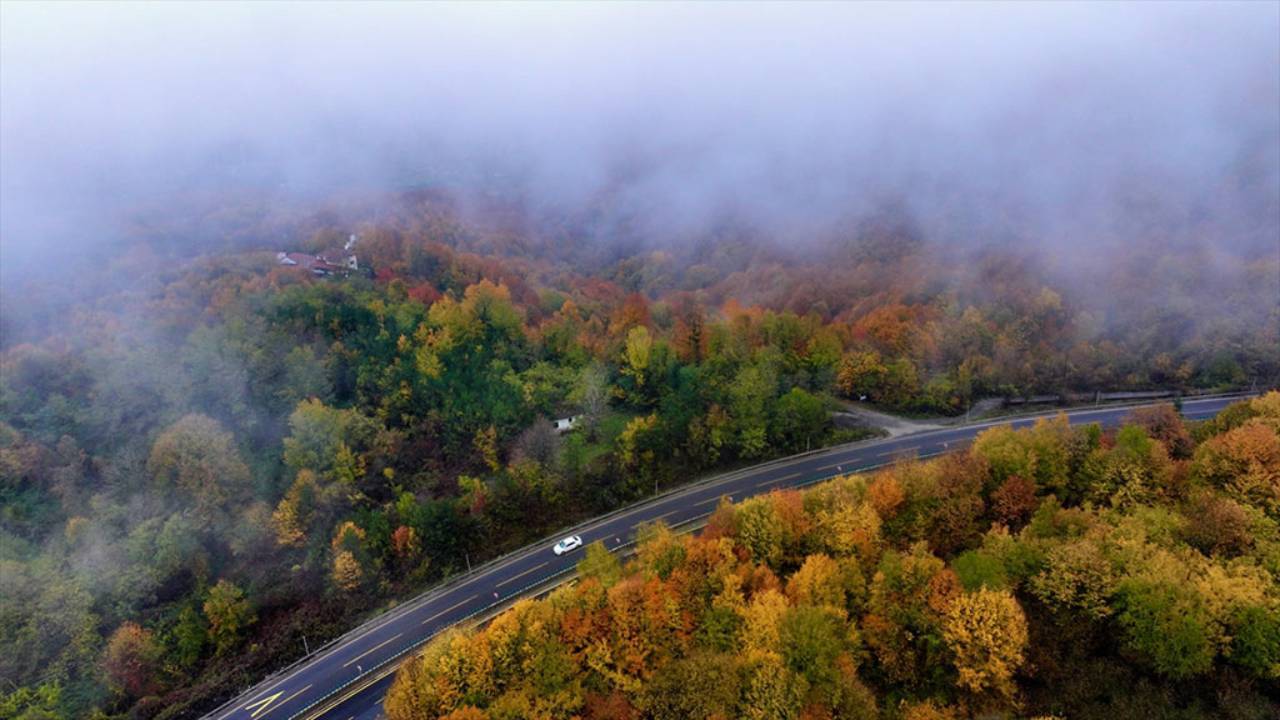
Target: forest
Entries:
(210, 463)
(307, 309)
(1059, 571)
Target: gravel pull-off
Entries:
(892, 424)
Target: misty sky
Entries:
(789, 114)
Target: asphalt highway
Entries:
(333, 676)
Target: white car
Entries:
(570, 543)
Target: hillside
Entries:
(310, 310)
(226, 461)
(1053, 572)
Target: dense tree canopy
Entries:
(834, 603)
(222, 459)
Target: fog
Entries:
(1040, 124)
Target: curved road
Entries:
(332, 678)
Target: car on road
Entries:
(570, 543)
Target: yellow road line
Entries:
(526, 572)
(286, 700)
(452, 607)
(263, 699)
(353, 660)
(268, 704)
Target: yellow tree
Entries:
(467, 712)
(764, 621)
(1078, 577)
(229, 612)
(819, 582)
(597, 562)
(293, 515)
(1245, 462)
(659, 550)
(485, 443)
(639, 349)
(348, 572)
(861, 373)
(760, 530)
(986, 632)
(410, 696)
(851, 529)
(772, 692)
(632, 448)
(645, 623)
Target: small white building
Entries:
(564, 425)
(326, 263)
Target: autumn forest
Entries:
(310, 309)
(1050, 572)
(204, 468)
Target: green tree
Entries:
(43, 702)
(546, 387)
(639, 446)
(903, 624)
(190, 636)
(699, 687)
(901, 382)
(1169, 626)
(591, 395)
(229, 613)
(811, 641)
(1255, 642)
(305, 376)
(709, 436)
(980, 569)
(318, 435)
(469, 355)
(597, 562)
(197, 458)
(799, 421)
(1039, 454)
(749, 395)
(1078, 577)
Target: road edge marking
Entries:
(353, 660)
(451, 608)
